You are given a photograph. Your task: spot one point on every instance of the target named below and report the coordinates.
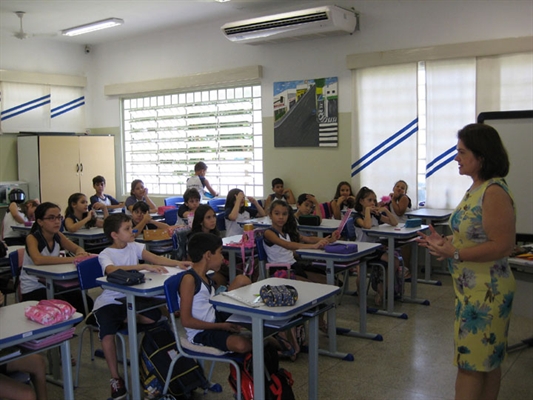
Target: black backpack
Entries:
(158, 348)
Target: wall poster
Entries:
(306, 113)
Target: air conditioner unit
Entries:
(292, 26)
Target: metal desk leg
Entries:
(232, 265)
(258, 360)
(313, 358)
(427, 266)
(54, 353)
(389, 312)
(362, 311)
(134, 389)
(68, 389)
(414, 280)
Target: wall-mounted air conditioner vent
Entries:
(295, 25)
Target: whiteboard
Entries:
(516, 131)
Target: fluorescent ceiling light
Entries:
(93, 26)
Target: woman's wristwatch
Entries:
(456, 256)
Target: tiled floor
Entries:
(414, 361)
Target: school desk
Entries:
(326, 227)
(62, 273)
(85, 234)
(233, 251)
(429, 216)
(16, 329)
(364, 249)
(310, 296)
(391, 233)
(153, 286)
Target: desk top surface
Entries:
(91, 232)
(363, 249)
(325, 225)
(151, 287)
(20, 329)
(398, 231)
(431, 213)
(309, 295)
(58, 271)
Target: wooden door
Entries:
(97, 157)
(58, 165)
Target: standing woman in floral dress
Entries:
(483, 227)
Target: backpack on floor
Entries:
(158, 349)
(278, 381)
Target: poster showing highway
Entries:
(306, 113)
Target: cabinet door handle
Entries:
(77, 168)
(81, 167)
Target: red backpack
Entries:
(278, 385)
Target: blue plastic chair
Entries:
(15, 262)
(189, 350)
(171, 216)
(88, 273)
(171, 201)
(214, 203)
(221, 222)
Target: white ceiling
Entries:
(45, 18)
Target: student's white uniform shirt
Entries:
(130, 255)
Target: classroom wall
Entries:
(202, 48)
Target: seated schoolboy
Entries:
(191, 199)
(109, 310)
(198, 180)
(280, 193)
(307, 204)
(101, 200)
(204, 325)
(34, 364)
(142, 219)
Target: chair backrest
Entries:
(260, 246)
(171, 292)
(325, 209)
(221, 222)
(349, 229)
(214, 203)
(15, 261)
(171, 216)
(88, 271)
(171, 201)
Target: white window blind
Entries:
(384, 148)
(451, 100)
(164, 136)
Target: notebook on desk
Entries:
(250, 302)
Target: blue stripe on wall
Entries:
(372, 156)
(9, 110)
(82, 99)
(25, 110)
(440, 161)
(66, 109)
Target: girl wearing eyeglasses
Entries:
(43, 245)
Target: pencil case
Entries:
(413, 223)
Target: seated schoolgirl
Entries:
(283, 238)
(236, 211)
(142, 219)
(17, 215)
(43, 245)
(139, 193)
(78, 215)
(369, 214)
(400, 203)
(344, 199)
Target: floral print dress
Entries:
(483, 291)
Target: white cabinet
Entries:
(56, 166)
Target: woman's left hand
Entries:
(436, 244)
